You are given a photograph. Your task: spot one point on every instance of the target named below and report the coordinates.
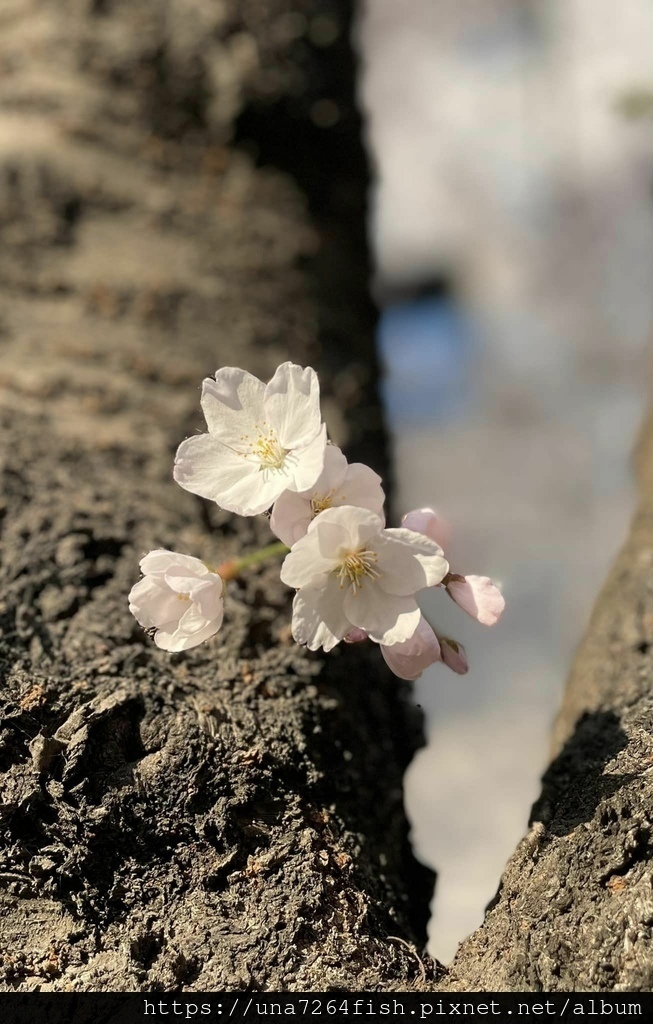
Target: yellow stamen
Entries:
(320, 502)
(355, 566)
(266, 447)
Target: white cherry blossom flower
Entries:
(338, 484)
(476, 595)
(178, 597)
(262, 439)
(351, 572)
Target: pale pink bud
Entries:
(355, 636)
(476, 595)
(453, 655)
(428, 523)
(409, 659)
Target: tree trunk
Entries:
(181, 188)
(574, 911)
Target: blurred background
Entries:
(513, 232)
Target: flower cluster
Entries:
(355, 579)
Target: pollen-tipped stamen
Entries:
(356, 566)
(320, 502)
(267, 448)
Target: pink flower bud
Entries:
(428, 523)
(355, 636)
(478, 596)
(453, 655)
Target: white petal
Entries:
(180, 640)
(387, 618)
(152, 604)
(408, 562)
(207, 596)
(305, 562)
(360, 524)
(333, 539)
(334, 472)
(292, 405)
(204, 466)
(304, 465)
(291, 517)
(332, 476)
(178, 580)
(361, 487)
(232, 404)
(157, 563)
(318, 619)
(409, 659)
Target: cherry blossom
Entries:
(262, 439)
(178, 597)
(476, 595)
(338, 484)
(351, 572)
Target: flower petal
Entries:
(157, 563)
(428, 522)
(304, 465)
(208, 597)
(152, 604)
(301, 565)
(292, 405)
(409, 659)
(333, 474)
(206, 467)
(291, 517)
(232, 404)
(179, 582)
(361, 487)
(479, 597)
(408, 561)
(318, 619)
(180, 640)
(387, 618)
(360, 523)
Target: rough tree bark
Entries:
(574, 911)
(181, 187)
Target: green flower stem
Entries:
(229, 570)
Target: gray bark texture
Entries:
(574, 911)
(182, 187)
